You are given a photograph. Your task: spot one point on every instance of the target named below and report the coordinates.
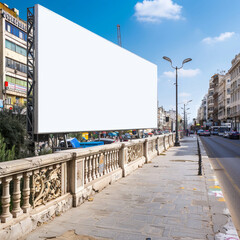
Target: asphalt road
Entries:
(224, 155)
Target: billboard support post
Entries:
(30, 72)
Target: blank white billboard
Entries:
(86, 83)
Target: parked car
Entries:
(226, 134)
(200, 132)
(207, 133)
(234, 135)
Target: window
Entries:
(16, 31)
(16, 65)
(21, 35)
(228, 91)
(15, 82)
(14, 47)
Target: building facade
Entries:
(234, 72)
(13, 58)
(161, 118)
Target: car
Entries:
(200, 132)
(191, 132)
(215, 132)
(226, 134)
(206, 133)
(233, 135)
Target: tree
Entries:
(13, 129)
(6, 155)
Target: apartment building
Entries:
(202, 116)
(210, 103)
(224, 99)
(161, 118)
(13, 57)
(234, 72)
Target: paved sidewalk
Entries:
(164, 199)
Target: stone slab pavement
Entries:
(165, 199)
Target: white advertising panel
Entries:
(86, 83)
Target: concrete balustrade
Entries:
(36, 189)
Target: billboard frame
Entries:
(30, 71)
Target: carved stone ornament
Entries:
(135, 152)
(46, 185)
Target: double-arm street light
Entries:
(184, 113)
(177, 68)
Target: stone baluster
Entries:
(97, 165)
(16, 211)
(107, 162)
(93, 167)
(110, 160)
(117, 159)
(6, 215)
(90, 169)
(26, 192)
(113, 159)
(86, 170)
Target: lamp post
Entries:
(184, 113)
(177, 68)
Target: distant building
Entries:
(224, 99)
(161, 118)
(13, 57)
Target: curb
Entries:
(222, 224)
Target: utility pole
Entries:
(119, 36)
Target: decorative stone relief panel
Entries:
(135, 152)
(46, 185)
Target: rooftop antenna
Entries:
(119, 36)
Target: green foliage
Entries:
(6, 155)
(78, 136)
(13, 129)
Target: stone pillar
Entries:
(123, 156)
(146, 151)
(158, 146)
(6, 215)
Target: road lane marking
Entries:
(225, 171)
(228, 176)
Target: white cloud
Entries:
(186, 73)
(221, 38)
(155, 10)
(184, 94)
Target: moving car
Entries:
(207, 133)
(200, 132)
(233, 135)
(226, 134)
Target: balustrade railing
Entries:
(27, 184)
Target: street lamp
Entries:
(176, 68)
(184, 109)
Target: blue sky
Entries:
(207, 31)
